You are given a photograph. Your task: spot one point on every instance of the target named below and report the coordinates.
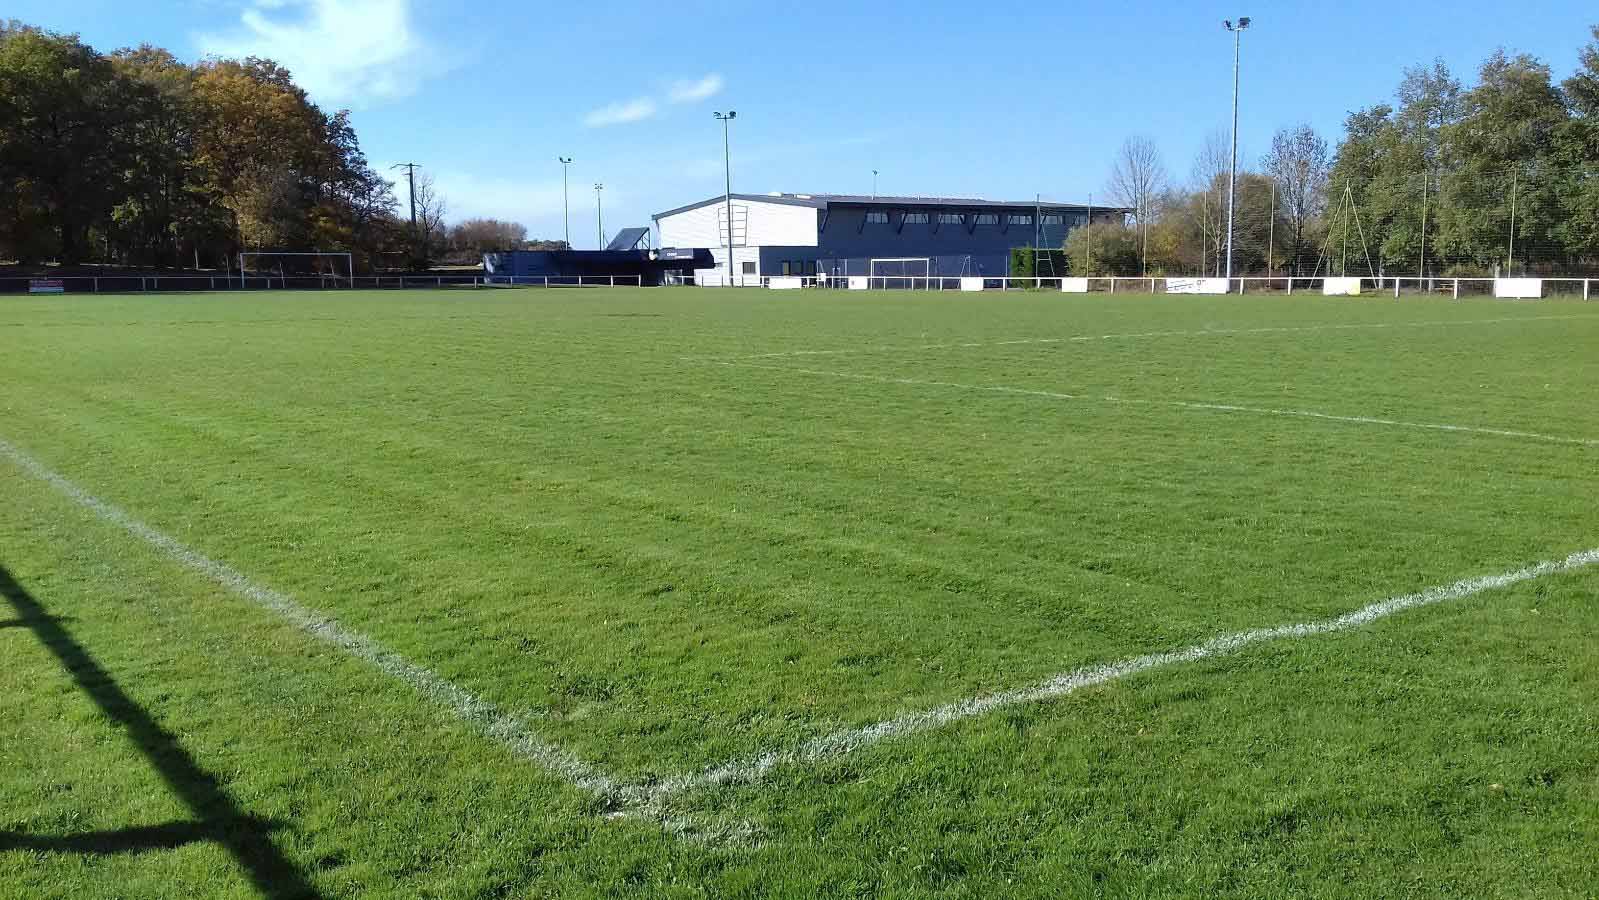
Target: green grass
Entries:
(666, 563)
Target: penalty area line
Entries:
(1133, 335)
(1177, 404)
(841, 743)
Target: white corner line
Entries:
(851, 740)
(650, 800)
(1175, 404)
(1122, 336)
(508, 730)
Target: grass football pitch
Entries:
(684, 592)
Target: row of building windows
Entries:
(881, 217)
(799, 267)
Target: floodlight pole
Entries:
(874, 184)
(1232, 172)
(599, 213)
(566, 202)
(727, 163)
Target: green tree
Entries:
(61, 112)
(1104, 249)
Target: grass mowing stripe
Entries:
(507, 729)
(1083, 338)
(1181, 404)
(848, 741)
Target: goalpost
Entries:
(349, 264)
(903, 271)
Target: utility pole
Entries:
(410, 179)
(1422, 273)
(1510, 260)
(1088, 251)
(727, 162)
(1271, 230)
(566, 203)
(1232, 173)
(599, 213)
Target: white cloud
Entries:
(693, 91)
(635, 110)
(344, 52)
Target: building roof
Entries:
(822, 201)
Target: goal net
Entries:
(901, 273)
(305, 269)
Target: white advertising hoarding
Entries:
(1197, 286)
(1340, 287)
(1518, 288)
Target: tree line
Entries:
(1500, 176)
(137, 158)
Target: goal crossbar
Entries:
(349, 260)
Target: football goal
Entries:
(309, 269)
(900, 273)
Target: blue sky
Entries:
(969, 99)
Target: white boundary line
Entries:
(851, 740)
(507, 729)
(650, 800)
(1085, 338)
(1174, 404)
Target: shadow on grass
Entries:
(217, 817)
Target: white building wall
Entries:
(718, 276)
(757, 225)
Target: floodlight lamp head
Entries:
(1243, 23)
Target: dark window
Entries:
(986, 219)
(1054, 219)
(916, 218)
(785, 268)
(951, 219)
(749, 268)
(877, 217)
(1021, 220)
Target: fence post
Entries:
(1290, 285)
(1585, 289)
(613, 281)
(1396, 288)
(440, 280)
(1457, 289)
(97, 284)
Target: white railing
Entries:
(1396, 286)
(152, 284)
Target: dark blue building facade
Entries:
(955, 236)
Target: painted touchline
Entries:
(482, 715)
(1083, 338)
(649, 800)
(1175, 404)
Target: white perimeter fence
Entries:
(150, 284)
(1455, 288)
